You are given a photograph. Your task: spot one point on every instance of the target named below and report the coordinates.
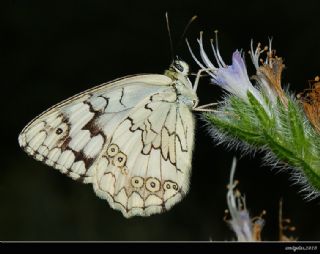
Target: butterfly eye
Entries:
(153, 184)
(120, 159)
(178, 66)
(112, 150)
(137, 182)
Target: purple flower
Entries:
(240, 222)
(233, 78)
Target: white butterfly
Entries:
(132, 138)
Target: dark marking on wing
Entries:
(65, 143)
(80, 179)
(91, 109)
(151, 126)
(182, 149)
(80, 156)
(147, 107)
(92, 126)
(122, 94)
(107, 101)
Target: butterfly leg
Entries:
(203, 108)
(196, 82)
(206, 108)
(207, 105)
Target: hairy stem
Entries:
(280, 130)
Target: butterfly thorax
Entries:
(178, 72)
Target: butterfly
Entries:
(131, 138)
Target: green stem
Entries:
(281, 130)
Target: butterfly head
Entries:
(178, 69)
(180, 66)
(178, 72)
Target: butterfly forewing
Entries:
(130, 138)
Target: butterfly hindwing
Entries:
(146, 166)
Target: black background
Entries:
(54, 49)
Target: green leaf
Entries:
(259, 110)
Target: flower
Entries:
(234, 78)
(246, 229)
(268, 72)
(310, 99)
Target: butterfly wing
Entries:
(119, 136)
(70, 135)
(146, 166)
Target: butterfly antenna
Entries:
(170, 37)
(186, 29)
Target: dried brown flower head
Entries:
(310, 99)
